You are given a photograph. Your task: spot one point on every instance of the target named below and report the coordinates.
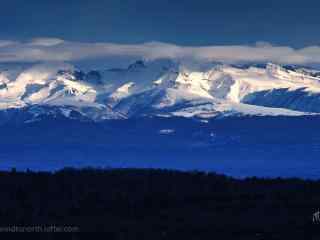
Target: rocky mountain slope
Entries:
(161, 87)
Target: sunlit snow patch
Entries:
(166, 131)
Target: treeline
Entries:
(161, 204)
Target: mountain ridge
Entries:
(162, 87)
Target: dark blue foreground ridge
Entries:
(237, 146)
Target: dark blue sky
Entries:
(184, 22)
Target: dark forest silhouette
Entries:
(161, 204)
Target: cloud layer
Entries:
(52, 49)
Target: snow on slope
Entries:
(162, 87)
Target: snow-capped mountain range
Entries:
(161, 87)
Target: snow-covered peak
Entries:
(162, 87)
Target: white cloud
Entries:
(48, 42)
(52, 49)
(4, 43)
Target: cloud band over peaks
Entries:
(53, 49)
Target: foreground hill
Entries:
(160, 204)
(238, 146)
